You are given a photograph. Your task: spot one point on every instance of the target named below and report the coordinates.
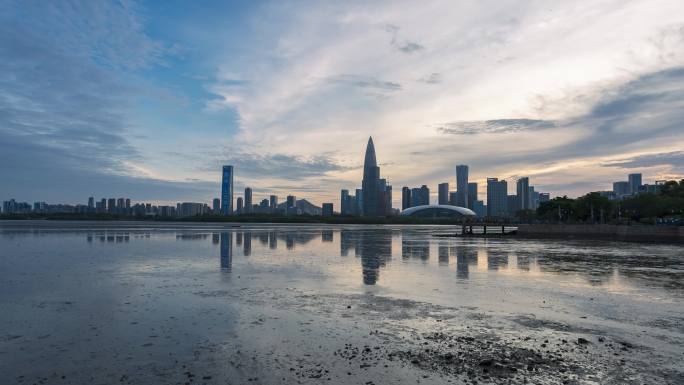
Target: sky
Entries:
(148, 99)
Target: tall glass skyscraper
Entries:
(523, 193)
(462, 185)
(370, 182)
(227, 191)
(497, 197)
(443, 193)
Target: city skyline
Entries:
(150, 104)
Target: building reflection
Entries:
(112, 236)
(272, 240)
(415, 249)
(263, 238)
(191, 236)
(226, 239)
(247, 244)
(373, 248)
(496, 259)
(466, 256)
(327, 235)
(443, 253)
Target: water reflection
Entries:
(415, 248)
(465, 257)
(226, 251)
(596, 263)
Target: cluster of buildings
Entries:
(373, 199)
(631, 187)
(244, 204)
(375, 196)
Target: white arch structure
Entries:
(457, 209)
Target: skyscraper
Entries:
(497, 197)
(359, 202)
(472, 194)
(523, 193)
(291, 202)
(248, 199)
(273, 203)
(462, 185)
(327, 209)
(621, 189)
(239, 205)
(424, 195)
(91, 203)
(371, 181)
(227, 191)
(416, 196)
(443, 193)
(634, 183)
(405, 198)
(344, 202)
(216, 205)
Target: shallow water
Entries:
(132, 302)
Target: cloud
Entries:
(672, 159)
(498, 126)
(65, 98)
(433, 78)
(277, 166)
(410, 47)
(366, 82)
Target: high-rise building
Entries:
(621, 189)
(227, 191)
(248, 200)
(472, 194)
(388, 199)
(405, 198)
(111, 205)
(443, 193)
(371, 181)
(497, 197)
(91, 203)
(216, 206)
(462, 185)
(345, 203)
(453, 198)
(273, 203)
(291, 201)
(512, 204)
(327, 209)
(239, 208)
(634, 183)
(359, 201)
(534, 199)
(416, 196)
(523, 193)
(424, 195)
(128, 203)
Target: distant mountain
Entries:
(304, 206)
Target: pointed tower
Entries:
(371, 181)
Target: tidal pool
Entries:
(179, 303)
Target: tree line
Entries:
(666, 206)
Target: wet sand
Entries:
(133, 303)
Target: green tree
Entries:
(559, 209)
(592, 208)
